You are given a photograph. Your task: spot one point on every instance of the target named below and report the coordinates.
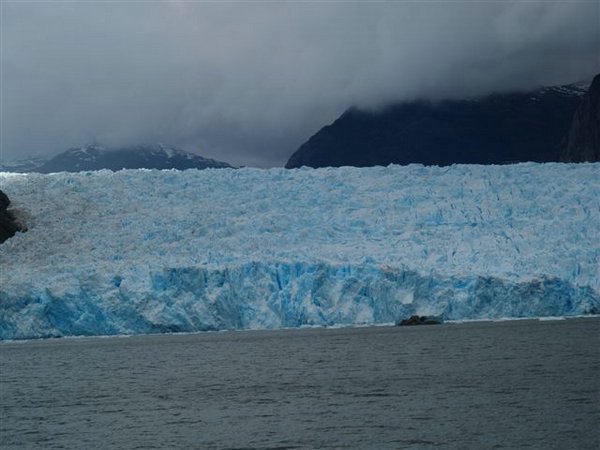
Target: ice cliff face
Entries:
(152, 251)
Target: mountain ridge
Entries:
(97, 157)
(494, 129)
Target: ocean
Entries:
(481, 385)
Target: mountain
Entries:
(497, 129)
(158, 156)
(583, 140)
(23, 165)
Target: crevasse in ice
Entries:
(141, 251)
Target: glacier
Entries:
(149, 251)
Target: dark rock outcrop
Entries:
(8, 224)
(500, 128)
(420, 320)
(93, 157)
(583, 141)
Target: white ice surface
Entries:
(141, 251)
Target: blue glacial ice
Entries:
(142, 251)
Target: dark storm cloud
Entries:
(248, 82)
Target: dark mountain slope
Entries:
(496, 129)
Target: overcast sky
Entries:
(248, 82)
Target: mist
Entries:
(247, 83)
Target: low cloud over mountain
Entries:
(248, 82)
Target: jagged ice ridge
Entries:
(144, 251)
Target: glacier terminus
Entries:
(150, 251)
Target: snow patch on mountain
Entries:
(577, 89)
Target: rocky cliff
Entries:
(8, 224)
(583, 141)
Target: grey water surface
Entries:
(519, 384)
